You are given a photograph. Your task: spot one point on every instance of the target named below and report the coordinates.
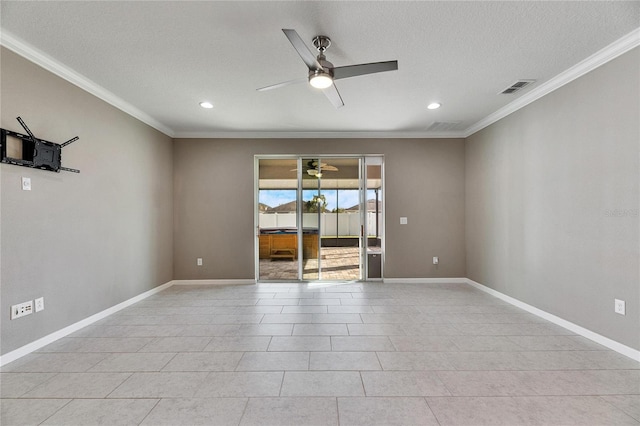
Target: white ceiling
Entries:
(158, 60)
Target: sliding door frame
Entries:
(363, 212)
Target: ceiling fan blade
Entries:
(302, 49)
(283, 84)
(362, 69)
(333, 95)
(323, 166)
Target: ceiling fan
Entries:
(315, 169)
(322, 73)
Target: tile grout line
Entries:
(244, 411)
(430, 409)
(58, 410)
(281, 384)
(152, 408)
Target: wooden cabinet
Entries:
(278, 246)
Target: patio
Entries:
(337, 263)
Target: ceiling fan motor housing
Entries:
(325, 73)
(327, 69)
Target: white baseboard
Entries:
(214, 282)
(604, 341)
(425, 280)
(50, 338)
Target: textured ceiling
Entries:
(163, 58)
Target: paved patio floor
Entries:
(337, 264)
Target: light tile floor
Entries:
(296, 354)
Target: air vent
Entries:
(518, 85)
(443, 126)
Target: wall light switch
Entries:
(26, 184)
(435, 260)
(403, 221)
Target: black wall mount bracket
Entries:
(33, 152)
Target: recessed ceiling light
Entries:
(207, 105)
(433, 105)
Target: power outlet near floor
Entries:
(21, 309)
(619, 306)
(39, 304)
(26, 184)
(199, 261)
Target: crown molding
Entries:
(594, 61)
(319, 135)
(41, 59)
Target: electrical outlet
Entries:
(619, 306)
(26, 184)
(436, 260)
(403, 221)
(199, 261)
(22, 309)
(39, 304)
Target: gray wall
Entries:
(83, 241)
(552, 202)
(214, 203)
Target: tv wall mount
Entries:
(35, 153)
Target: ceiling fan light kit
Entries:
(322, 73)
(320, 79)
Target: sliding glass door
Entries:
(312, 217)
(277, 219)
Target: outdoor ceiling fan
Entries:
(315, 169)
(322, 73)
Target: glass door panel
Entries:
(341, 225)
(373, 226)
(313, 204)
(277, 225)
